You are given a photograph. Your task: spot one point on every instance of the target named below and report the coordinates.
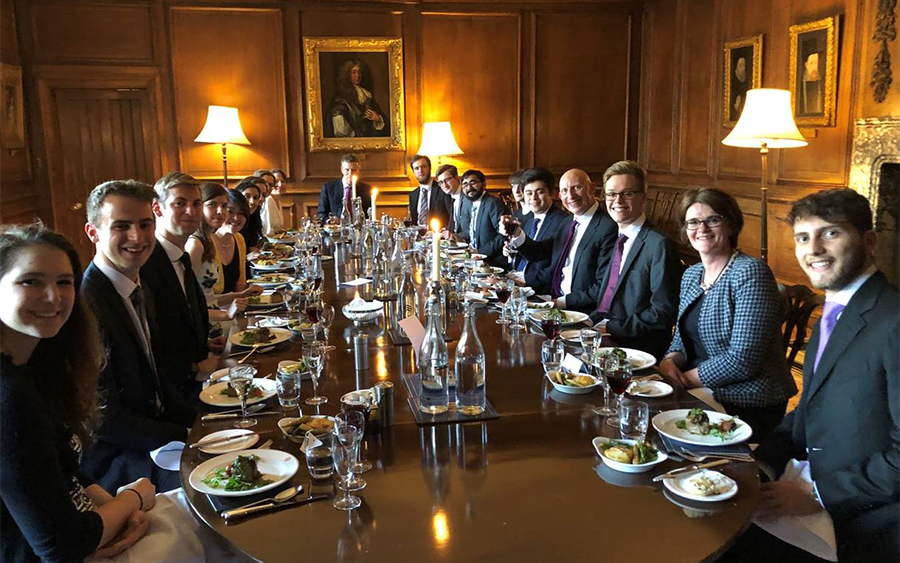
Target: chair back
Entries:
(799, 304)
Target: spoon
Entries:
(281, 497)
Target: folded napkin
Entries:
(360, 305)
(169, 456)
(705, 394)
(813, 533)
(676, 446)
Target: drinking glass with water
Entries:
(552, 352)
(634, 418)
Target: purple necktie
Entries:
(613, 276)
(556, 281)
(347, 199)
(829, 318)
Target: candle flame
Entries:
(374, 192)
(354, 178)
(435, 225)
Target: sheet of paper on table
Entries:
(705, 394)
(414, 330)
(573, 364)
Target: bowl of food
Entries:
(628, 456)
(296, 427)
(572, 383)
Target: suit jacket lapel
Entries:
(115, 304)
(586, 239)
(633, 253)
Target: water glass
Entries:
(344, 446)
(357, 419)
(589, 338)
(319, 460)
(326, 317)
(240, 378)
(602, 365)
(288, 387)
(314, 354)
(634, 418)
(552, 353)
(519, 306)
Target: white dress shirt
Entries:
(174, 254)
(569, 266)
(631, 231)
(125, 287)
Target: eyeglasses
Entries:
(471, 183)
(626, 195)
(711, 222)
(445, 181)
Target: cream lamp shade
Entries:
(437, 140)
(767, 118)
(222, 126)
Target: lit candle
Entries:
(436, 251)
(354, 186)
(373, 216)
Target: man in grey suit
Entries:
(479, 227)
(447, 178)
(637, 297)
(847, 425)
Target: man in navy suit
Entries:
(637, 297)
(334, 192)
(447, 178)
(541, 223)
(428, 201)
(847, 425)
(142, 410)
(479, 226)
(579, 247)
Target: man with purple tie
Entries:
(638, 291)
(845, 433)
(334, 192)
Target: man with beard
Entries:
(428, 201)
(845, 433)
(142, 410)
(479, 227)
(579, 247)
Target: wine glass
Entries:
(503, 290)
(240, 378)
(588, 337)
(618, 379)
(357, 419)
(601, 365)
(550, 326)
(552, 352)
(314, 354)
(326, 316)
(519, 304)
(344, 446)
(511, 224)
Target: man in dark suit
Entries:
(637, 297)
(518, 195)
(479, 226)
(541, 223)
(847, 425)
(331, 199)
(142, 410)
(180, 307)
(578, 249)
(447, 178)
(428, 201)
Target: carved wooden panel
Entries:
(229, 57)
(658, 84)
(697, 88)
(95, 31)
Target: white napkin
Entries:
(414, 330)
(357, 281)
(309, 441)
(572, 363)
(475, 296)
(813, 533)
(360, 305)
(169, 456)
(705, 394)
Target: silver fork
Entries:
(266, 445)
(696, 458)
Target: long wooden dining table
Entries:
(527, 486)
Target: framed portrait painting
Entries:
(743, 71)
(354, 93)
(12, 114)
(813, 71)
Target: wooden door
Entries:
(100, 135)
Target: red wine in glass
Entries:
(313, 312)
(317, 283)
(408, 222)
(510, 223)
(618, 380)
(550, 328)
(503, 294)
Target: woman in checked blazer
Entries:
(728, 332)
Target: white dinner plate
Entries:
(533, 307)
(626, 467)
(212, 395)
(228, 447)
(269, 281)
(650, 389)
(267, 301)
(679, 486)
(637, 358)
(281, 265)
(272, 322)
(280, 334)
(664, 423)
(572, 335)
(571, 389)
(273, 464)
(572, 317)
(494, 270)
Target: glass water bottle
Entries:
(470, 367)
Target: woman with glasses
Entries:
(728, 332)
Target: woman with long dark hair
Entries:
(253, 189)
(49, 370)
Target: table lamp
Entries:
(767, 122)
(223, 126)
(438, 141)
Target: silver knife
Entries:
(690, 469)
(225, 416)
(236, 513)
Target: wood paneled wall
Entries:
(681, 107)
(523, 83)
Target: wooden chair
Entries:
(799, 304)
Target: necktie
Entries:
(347, 198)
(556, 280)
(829, 318)
(196, 304)
(423, 207)
(472, 229)
(535, 225)
(614, 268)
(139, 303)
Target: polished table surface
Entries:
(526, 486)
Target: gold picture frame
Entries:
(354, 93)
(813, 81)
(737, 78)
(12, 107)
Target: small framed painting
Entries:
(813, 71)
(743, 71)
